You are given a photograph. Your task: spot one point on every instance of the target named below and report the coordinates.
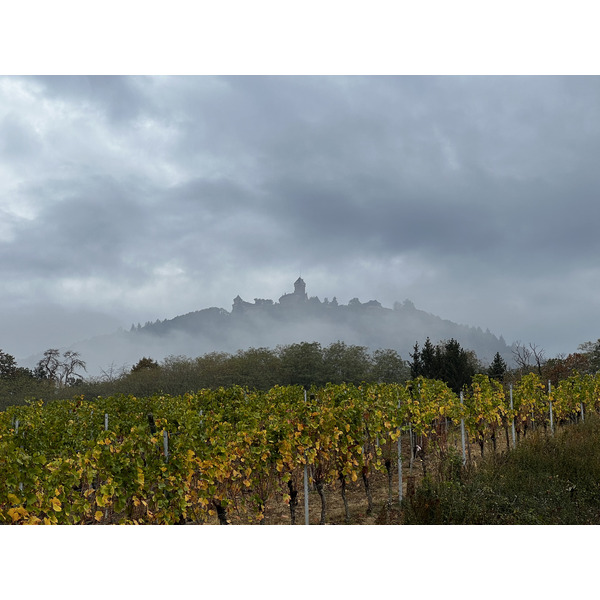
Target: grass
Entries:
(547, 480)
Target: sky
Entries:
(127, 199)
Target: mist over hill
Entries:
(294, 318)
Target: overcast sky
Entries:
(126, 199)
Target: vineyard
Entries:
(233, 455)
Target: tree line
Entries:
(305, 364)
(61, 375)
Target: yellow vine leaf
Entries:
(98, 515)
(14, 514)
(56, 505)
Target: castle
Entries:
(297, 298)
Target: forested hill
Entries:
(268, 324)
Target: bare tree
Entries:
(71, 362)
(112, 372)
(47, 367)
(61, 371)
(529, 357)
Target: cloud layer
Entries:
(139, 198)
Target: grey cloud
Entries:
(18, 139)
(478, 182)
(81, 228)
(119, 98)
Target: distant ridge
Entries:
(295, 318)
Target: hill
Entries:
(294, 318)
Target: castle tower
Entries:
(298, 297)
(300, 287)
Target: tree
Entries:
(497, 368)
(70, 363)
(256, 368)
(48, 366)
(416, 366)
(562, 367)
(427, 361)
(302, 364)
(346, 364)
(592, 351)
(446, 361)
(8, 366)
(388, 367)
(214, 369)
(10, 370)
(16, 383)
(112, 373)
(60, 370)
(143, 364)
(529, 357)
(457, 365)
(431, 360)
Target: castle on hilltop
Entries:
(297, 298)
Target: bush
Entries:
(546, 480)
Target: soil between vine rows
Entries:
(384, 512)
